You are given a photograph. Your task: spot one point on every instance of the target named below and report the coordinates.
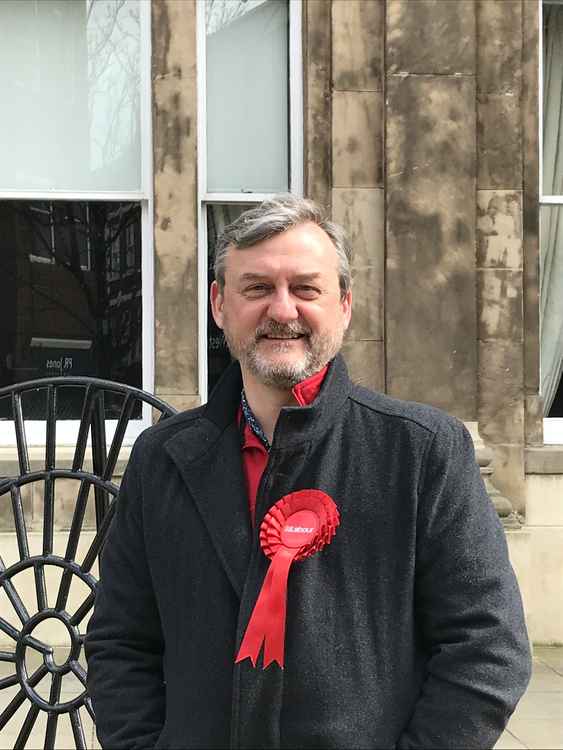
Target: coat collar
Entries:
(208, 455)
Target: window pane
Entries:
(67, 306)
(551, 316)
(552, 99)
(218, 357)
(247, 96)
(70, 80)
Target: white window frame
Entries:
(67, 430)
(552, 426)
(206, 198)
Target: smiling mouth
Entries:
(294, 337)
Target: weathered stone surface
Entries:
(530, 110)
(500, 304)
(357, 45)
(430, 274)
(499, 142)
(431, 37)
(362, 213)
(499, 31)
(366, 363)
(357, 139)
(509, 475)
(499, 229)
(367, 308)
(180, 402)
(547, 459)
(6, 510)
(501, 386)
(533, 419)
(66, 495)
(175, 196)
(317, 95)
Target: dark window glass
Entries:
(218, 357)
(70, 292)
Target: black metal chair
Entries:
(93, 401)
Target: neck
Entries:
(266, 402)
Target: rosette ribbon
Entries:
(296, 527)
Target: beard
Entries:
(320, 348)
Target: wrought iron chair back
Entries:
(31, 704)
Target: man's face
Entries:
(281, 309)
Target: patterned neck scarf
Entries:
(254, 424)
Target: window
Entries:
(250, 125)
(75, 196)
(551, 219)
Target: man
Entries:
(405, 631)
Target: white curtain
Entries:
(551, 315)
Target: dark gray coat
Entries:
(406, 631)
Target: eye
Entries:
(306, 291)
(256, 290)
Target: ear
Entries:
(217, 304)
(346, 304)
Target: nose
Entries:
(282, 307)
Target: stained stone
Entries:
(317, 89)
(367, 308)
(431, 37)
(500, 304)
(357, 139)
(501, 386)
(175, 188)
(499, 229)
(499, 31)
(430, 274)
(366, 363)
(361, 211)
(499, 142)
(6, 510)
(357, 45)
(509, 477)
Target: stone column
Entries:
(430, 308)
(499, 246)
(175, 200)
(357, 174)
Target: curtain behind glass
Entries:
(551, 228)
(247, 96)
(70, 81)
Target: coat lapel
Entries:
(209, 460)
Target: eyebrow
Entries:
(263, 276)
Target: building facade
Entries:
(415, 123)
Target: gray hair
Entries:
(274, 216)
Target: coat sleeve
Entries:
(467, 606)
(124, 644)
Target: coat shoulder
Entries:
(154, 438)
(421, 417)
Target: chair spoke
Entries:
(19, 521)
(27, 726)
(83, 610)
(16, 602)
(124, 418)
(98, 540)
(78, 671)
(9, 629)
(89, 708)
(48, 515)
(10, 681)
(21, 695)
(21, 441)
(51, 434)
(99, 455)
(77, 730)
(85, 420)
(40, 586)
(53, 718)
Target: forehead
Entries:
(303, 249)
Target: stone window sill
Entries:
(9, 466)
(545, 459)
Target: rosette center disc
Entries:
(300, 528)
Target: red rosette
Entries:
(296, 527)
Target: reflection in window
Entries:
(76, 312)
(218, 356)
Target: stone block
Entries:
(533, 414)
(367, 307)
(544, 505)
(520, 554)
(508, 473)
(499, 30)
(66, 495)
(500, 304)
(431, 37)
(357, 45)
(499, 142)
(366, 363)
(6, 509)
(546, 600)
(175, 195)
(317, 96)
(501, 392)
(361, 211)
(430, 305)
(499, 229)
(357, 139)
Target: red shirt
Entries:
(254, 453)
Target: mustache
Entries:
(273, 328)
